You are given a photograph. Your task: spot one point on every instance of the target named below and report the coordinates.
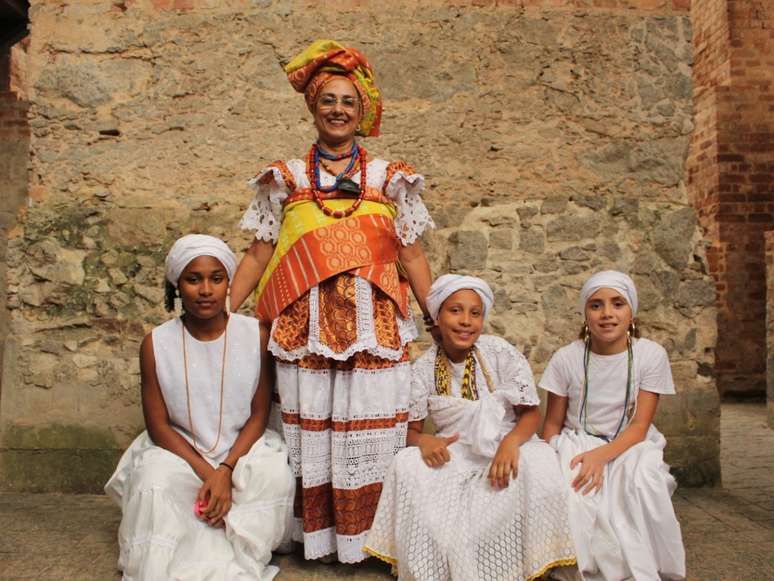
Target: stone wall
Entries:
(552, 134)
(731, 176)
(14, 161)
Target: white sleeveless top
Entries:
(243, 366)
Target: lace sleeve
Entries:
(422, 375)
(264, 214)
(514, 375)
(404, 187)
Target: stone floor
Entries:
(729, 531)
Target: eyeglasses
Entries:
(328, 102)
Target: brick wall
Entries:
(769, 238)
(731, 175)
(710, 43)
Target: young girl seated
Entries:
(483, 498)
(206, 491)
(603, 392)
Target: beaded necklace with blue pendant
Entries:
(584, 407)
(342, 181)
(353, 155)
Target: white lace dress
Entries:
(343, 372)
(449, 523)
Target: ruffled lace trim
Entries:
(417, 412)
(413, 218)
(366, 332)
(517, 384)
(264, 214)
(348, 549)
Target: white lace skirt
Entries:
(160, 538)
(448, 523)
(342, 427)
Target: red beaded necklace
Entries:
(312, 171)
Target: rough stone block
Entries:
(468, 250)
(672, 237)
(532, 240)
(570, 227)
(501, 238)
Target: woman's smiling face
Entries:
(337, 112)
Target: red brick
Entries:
(730, 218)
(730, 157)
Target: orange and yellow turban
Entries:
(324, 60)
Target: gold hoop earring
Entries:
(586, 333)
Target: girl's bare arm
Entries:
(556, 411)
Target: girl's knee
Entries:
(162, 470)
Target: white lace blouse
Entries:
(264, 214)
(509, 370)
(264, 217)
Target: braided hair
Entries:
(170, 294)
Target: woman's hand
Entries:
(505, 464)
(592, 469)
(434, 449)
(216, 492)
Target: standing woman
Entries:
(336, 248)
(205, 491)
(602, 396)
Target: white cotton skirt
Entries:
(628, 529)
(449, 523)
(160, 538)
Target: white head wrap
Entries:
(448, 284)
(613, 279)
(193, 246)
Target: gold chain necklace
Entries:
(188, 390)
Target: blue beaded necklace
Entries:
(354, 155)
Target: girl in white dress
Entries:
(483, 499)
(602, 395)
(206, 491)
